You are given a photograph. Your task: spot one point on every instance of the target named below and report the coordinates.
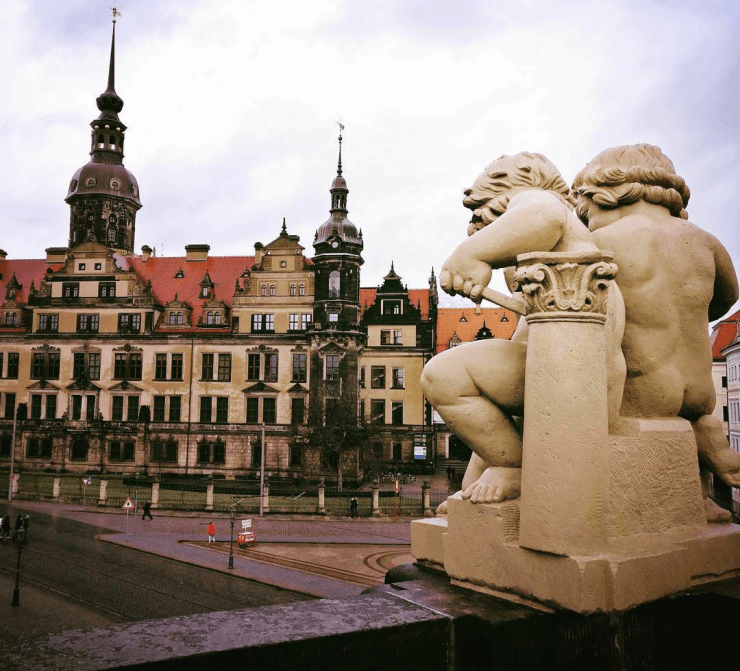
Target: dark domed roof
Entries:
(339, 183)
(109, 179)
(338, 225)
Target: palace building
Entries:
(121, 362)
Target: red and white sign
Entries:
(396, 486)
(129, 505)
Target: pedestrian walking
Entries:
(5, 526)
(147, 510)
(18, 526)
(353, 505)
(26, 520)
(211, 533)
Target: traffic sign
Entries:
(128, 505)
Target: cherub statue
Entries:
(675, 278)
(520, 204)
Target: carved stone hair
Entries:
(493, 188)
(623, 175)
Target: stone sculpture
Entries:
(592, 500)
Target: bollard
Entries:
(322, 502)
(103, 495)
(266, 498)
(155, 494)
(209, 493)
(426, 499)
(56, 488)
(375, 512)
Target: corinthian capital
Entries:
(565, 286)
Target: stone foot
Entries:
(495, 485)
(715, 513)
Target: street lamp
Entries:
(20, 538)
(232, 518)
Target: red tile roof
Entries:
(723, 334)
(26, 270)
(448, 322)
(418, 298)
(223, 271)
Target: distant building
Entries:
(172, 365)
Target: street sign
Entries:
(129, 505)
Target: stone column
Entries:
(266, 498)
(565, 440)
(209, 493)
(376, 499)
(426, 499)
(155, 494)
(103, 494)
(322, 502)
(56, 488)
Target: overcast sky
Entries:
(232, 110)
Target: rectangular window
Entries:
(269, 322)
(117, 408)
(158, 408)
(397, 413)
(13, 363)
(397, 378)
(391, 307)
(253, 367)
(71, 289)
(206, 372)
(129, 322)
(362, 377)
(377, 377)
(49, 323)
(176, 370)
(93, 366)
(293, 322)
(256, 452)
(332, 367)
(106, 289)
(253, 410)
(204, 453)
(377, 411)
(271, 367)
(219, 453)
(89, 408)
(78, 365)
(269, 412)
(119, 366)
(175, 408)
(36, 400)
(299, 368)
(134, 366)
(257, 322)
(164, 451)
(133, 409)
(296, 454)
(160, 366)
(724, 382)
(77, 407)
(385, 337)
(398, 337)
(305, 321)
(51, 406)
(224, 367)
(206, 404)
(297, 411)
(39, 448)
(45, 366)
(127, 366)
(222, 409)
(5, 442)
(332, 412)
(119, 450)
(87, 323)
(725, 414)
(9, 406)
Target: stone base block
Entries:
(479, 549)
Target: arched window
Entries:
(101, 141)
(173, 317)
(112, 140)
(272, 290)
(216, 317)
(302, 290)
(292, 289)
(334, 284)
(209, 319)
(263, 290)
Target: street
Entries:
(87, 581)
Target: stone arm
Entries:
(534, 221)
(725, 283)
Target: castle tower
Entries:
(336, 337)
(103, 196)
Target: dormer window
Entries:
(204, 292)
(263, 290)
(175, 318)
(391, 307)
(272, 290)
(292, 289)
(179, 274)
(302, 290)
(71, 289)
(504, 318)
(80, 266)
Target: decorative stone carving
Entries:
(562, 286)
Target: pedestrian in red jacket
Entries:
(211, 533)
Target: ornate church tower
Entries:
(336, 336)
(103, 196)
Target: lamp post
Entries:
(232, 518)
(20, 539)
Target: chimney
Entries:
(146, 252)
(259, 253)
(3, 255)
(196, 252)
(56, 254)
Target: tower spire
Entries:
(339, 163)
(109, 102)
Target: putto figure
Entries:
(520, 204)
(675, 279)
